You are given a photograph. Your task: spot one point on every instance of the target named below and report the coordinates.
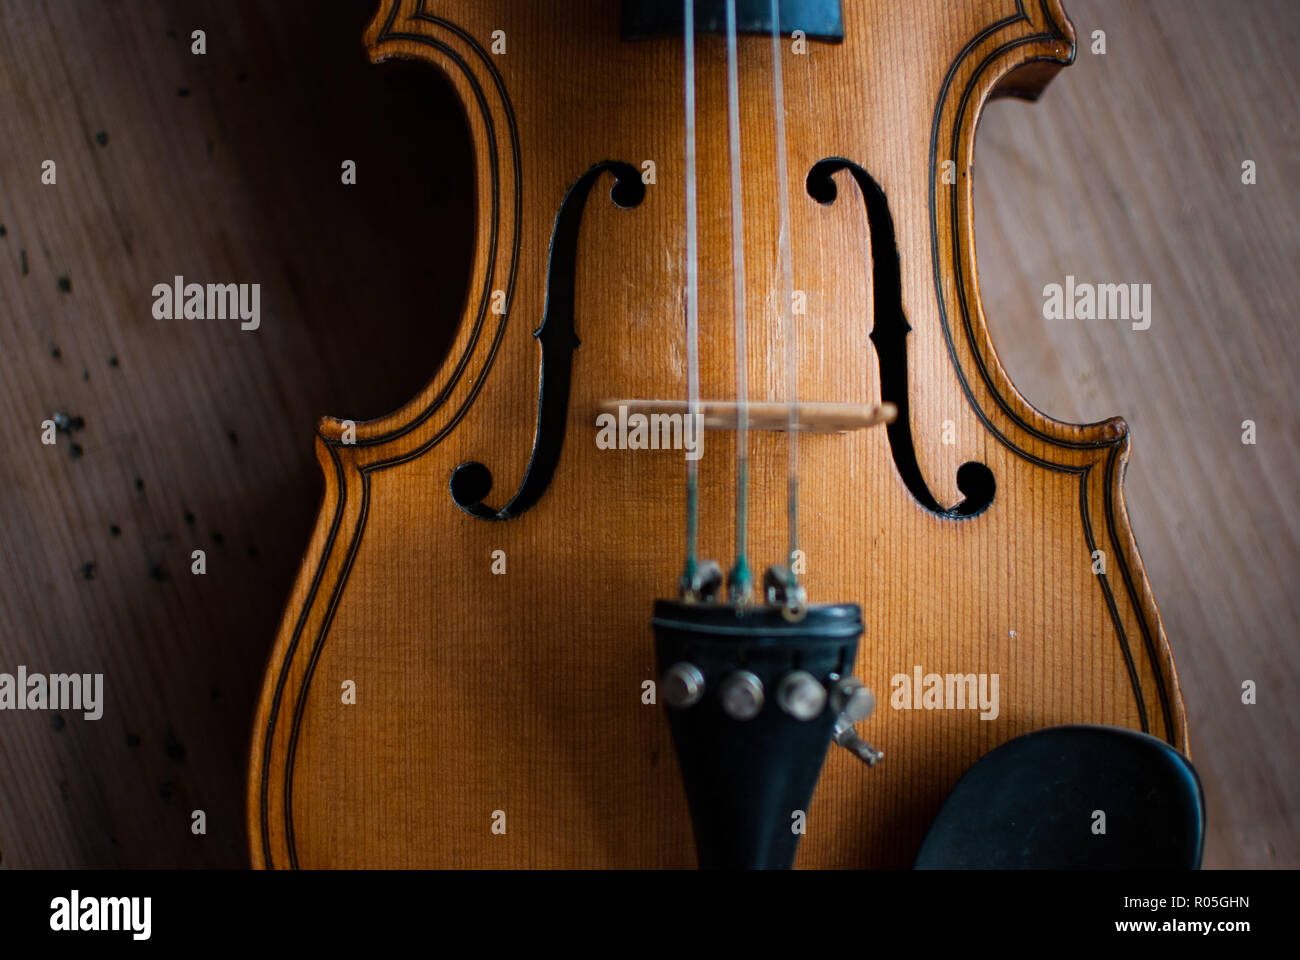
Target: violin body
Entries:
(460, 677)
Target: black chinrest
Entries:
(1030, 804)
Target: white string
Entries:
(787, 297)
(692, 303)
(740, 579)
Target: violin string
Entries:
(787, 298)
(740, 580)
(692, 305)
(819, 269)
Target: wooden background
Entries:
(226, 167)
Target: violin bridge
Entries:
(725, 414)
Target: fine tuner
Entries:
(799, 694)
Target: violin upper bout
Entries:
(1116, 428)
(1054, 49)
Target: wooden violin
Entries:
(715, 241)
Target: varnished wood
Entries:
(521, 692)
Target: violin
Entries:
(720, 537)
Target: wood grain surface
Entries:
(1129, 169)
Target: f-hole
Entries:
(889, 329)
(472, 482)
